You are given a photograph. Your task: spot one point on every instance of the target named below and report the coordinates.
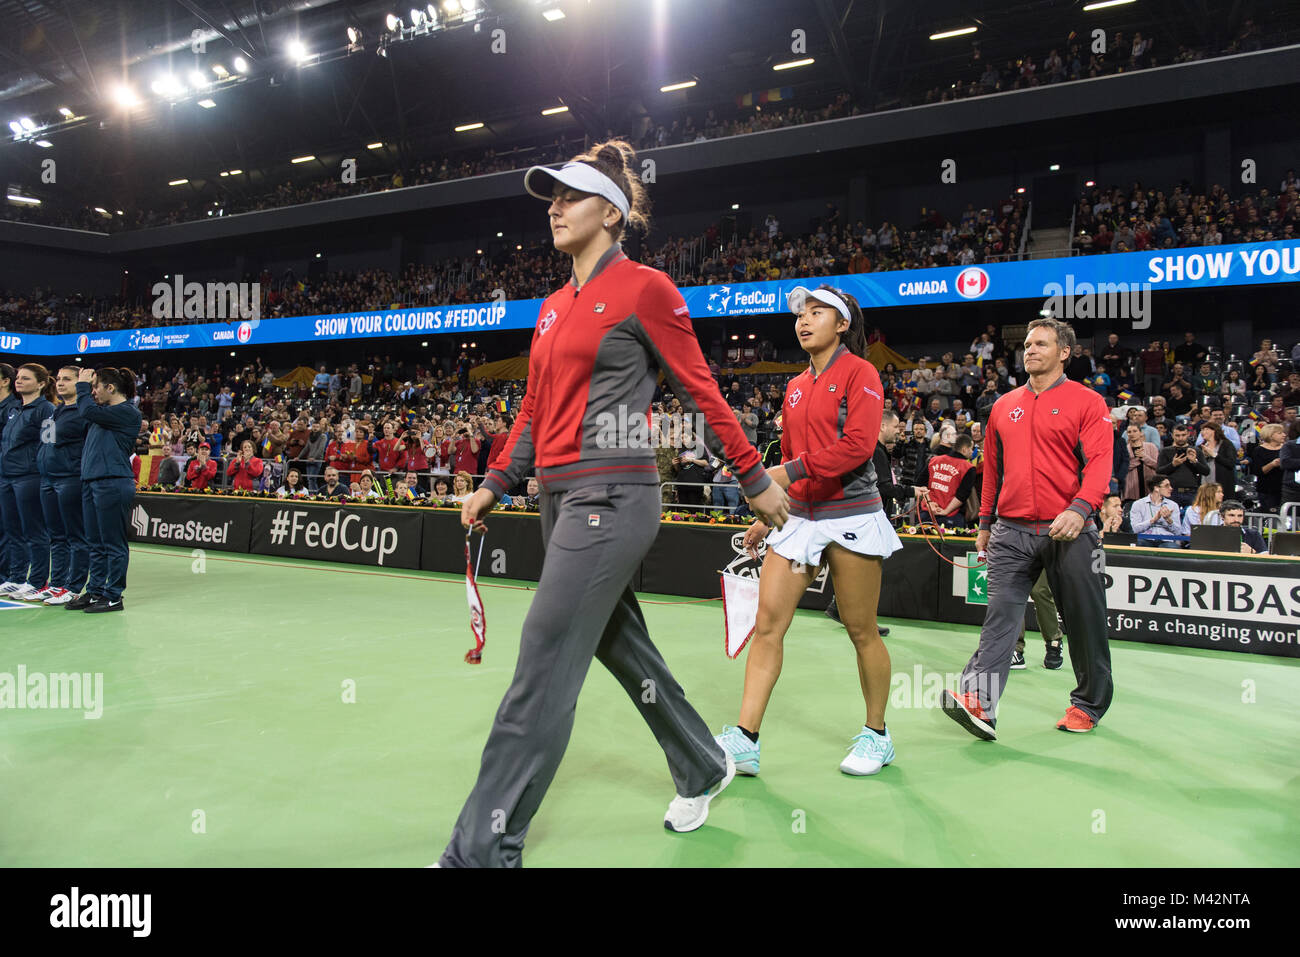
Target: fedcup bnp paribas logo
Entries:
(211, 301)
(626, 428)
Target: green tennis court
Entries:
(227, 739)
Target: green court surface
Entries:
(226, 740)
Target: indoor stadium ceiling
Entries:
(605, 60)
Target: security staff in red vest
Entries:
(952, 477)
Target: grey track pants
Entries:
(1074, 572)
(584, 607)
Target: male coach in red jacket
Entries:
(1047, 465)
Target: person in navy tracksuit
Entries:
(9, 404)
(108, 482)
(20, 496)
(59, 462)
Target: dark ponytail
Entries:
(617, 160)
(7, 372)
(121, 378)
(855, 337)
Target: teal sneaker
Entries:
(868, 753)
(743, 751)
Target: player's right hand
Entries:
(475, 507)
(982, 541)
(753, 536)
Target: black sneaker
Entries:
(1052, 660)
(81, 602)
(832, 612)
(1018, 661)
(884, 630)
(103, 604)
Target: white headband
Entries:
(798, 298)
(584, 178)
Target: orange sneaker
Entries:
(1076, 720)
(966, 710)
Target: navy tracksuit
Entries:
(9, 547)
(20, 494)
(59, 462)
(108, 489)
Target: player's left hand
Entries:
(1066, 527)
(85, 375)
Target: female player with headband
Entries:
(831, 422)
(599, 346)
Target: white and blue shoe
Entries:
(688, 813)
(743, 751)
(868, 753)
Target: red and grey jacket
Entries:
(596, 356)
(830, 425)
(1045, 452)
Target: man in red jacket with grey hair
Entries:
(1047, 465)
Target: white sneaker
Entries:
(686, 814)
(43, 594)
(59, 596)
(8, 588)
(24, 592)
(868, 753)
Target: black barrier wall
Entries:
(1153, 595)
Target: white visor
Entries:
(579, 176)
(797, 300)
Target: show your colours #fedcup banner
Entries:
(1068, 285)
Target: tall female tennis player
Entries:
(831, 422)
(583, 429)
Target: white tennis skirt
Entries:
(805, 541)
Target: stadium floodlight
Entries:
(451, 7)
(224, 173)
(26, 200)
(44, 144)
(124, 96)
(16, 127)
(1104, 4)
(469, 6)
(302, 159)
(298, 51)
(735, 206)
(393, 23)
(220, 71)
(553, 14)
(466, 127)
(354, 35)
(207, 104)
(1091, 183)
(102, 210)
(551, 111)
(959, 32)
(1020, 189)
(792, 64)
(235, 172)
(684, 85)
(28, 123)
(177, 182)
(198, 79)
(65, 112)
(120, 213)
(1055, 167)
(374, 146)
(417, 17)
(499, 235)
(241, 65)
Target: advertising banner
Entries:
(384, 537)
(191, 521)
